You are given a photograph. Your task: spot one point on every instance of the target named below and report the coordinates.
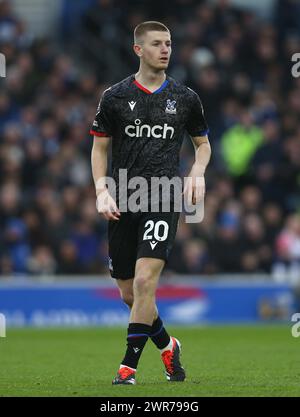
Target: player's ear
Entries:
(138, 50)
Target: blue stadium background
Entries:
(242, 263)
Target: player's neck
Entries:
(150, 79)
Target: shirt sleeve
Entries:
(196, 124)
(102, 125)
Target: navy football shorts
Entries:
(139, 235)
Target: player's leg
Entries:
(126, 294)
(122, 238)
(156, 237)
(142, 289)
(147, 272)
(149, 323)
(126, 291)
(159, 335)
(123, 253)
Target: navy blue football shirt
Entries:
(147, 129)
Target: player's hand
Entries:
(194, 188)
(107, 206)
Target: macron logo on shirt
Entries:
(155, 131)
(132, 104)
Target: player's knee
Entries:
(127, 298)
(143, 285)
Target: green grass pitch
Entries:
(220, 361)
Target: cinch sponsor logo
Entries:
(137, 130)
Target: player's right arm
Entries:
(106, 205)
(102, 130)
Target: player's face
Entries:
(156, 49)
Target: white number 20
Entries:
(156, 232)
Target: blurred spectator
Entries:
(251, 199)
(57, 227)
(10, 25)
(6, 266)
(241, 67)
(86, 243)
(257, 253)
(288, 242)
(272, 215)
(195, 255)
(10, 200)
(239, 144)
(68, 259)
(225, 247)
(42, 261)
(16, 244)
(288, 250)
(266, 160)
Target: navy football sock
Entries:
(159, 335)
(137, 337)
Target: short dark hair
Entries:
(145, 27)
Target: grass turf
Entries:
(220, 361)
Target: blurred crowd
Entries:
(239, 63)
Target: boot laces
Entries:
(167, 357)
(125, 372)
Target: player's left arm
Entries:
(194, 189)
